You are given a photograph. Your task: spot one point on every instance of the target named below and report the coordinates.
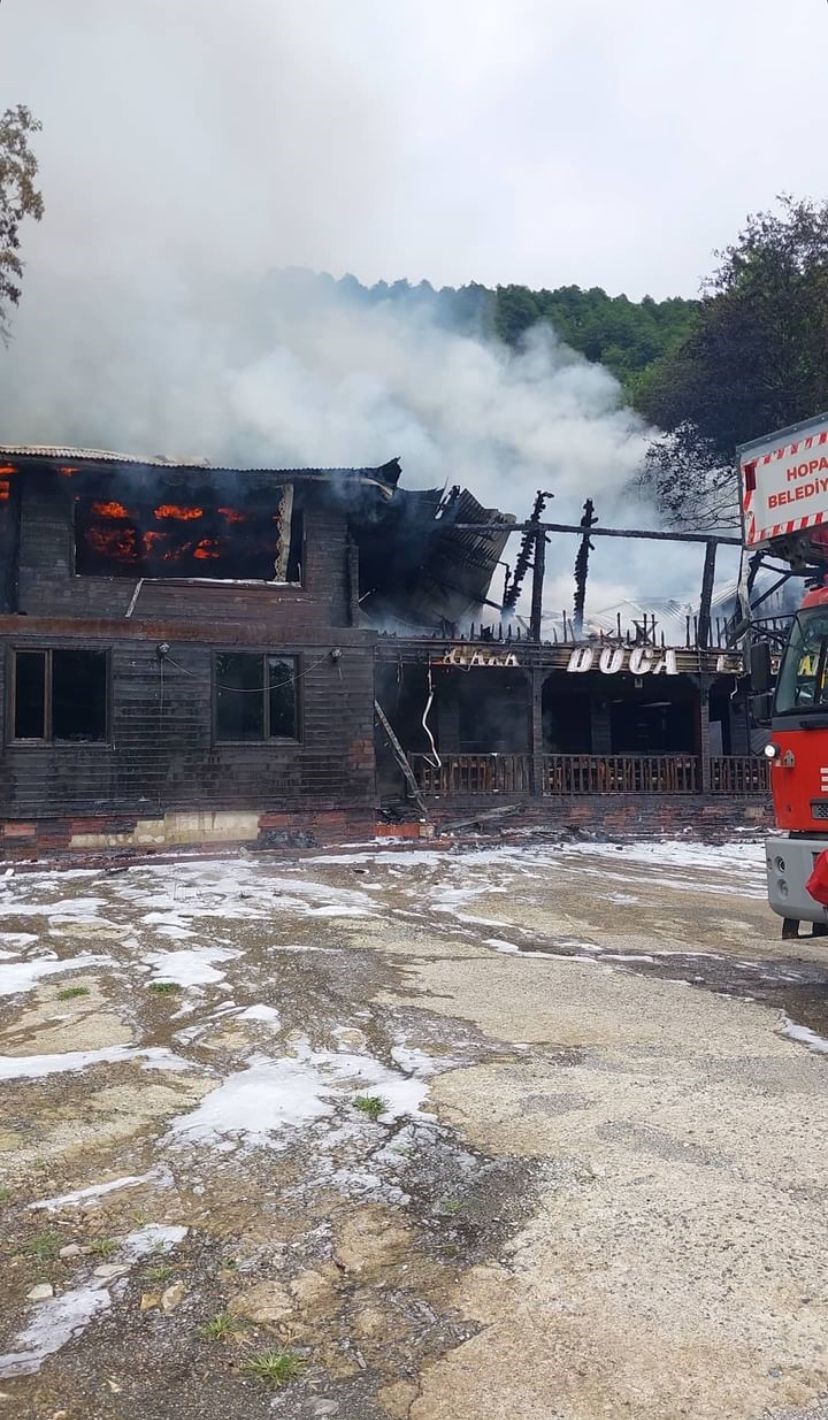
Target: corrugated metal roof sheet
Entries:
(51, 451)
(388, 472)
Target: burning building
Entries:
(185, 658)
(195, 654)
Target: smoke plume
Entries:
(158, 316)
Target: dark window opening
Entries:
(60, 696)
(205, 533)
(281, 671)
(492, 708)
(567, 720)
(652, 727)
(256, 697)
(79, 681)
(30, 695)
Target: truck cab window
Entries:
(803, 677)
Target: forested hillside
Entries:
(626, 336)
(749, 356)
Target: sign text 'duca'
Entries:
(640, 660)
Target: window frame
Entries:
(164, 576)
(267, 739)
(789, 679)
(47, 740)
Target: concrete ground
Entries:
(527, 1131)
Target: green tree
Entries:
(626, 336)
(756, 360)
(19, 198)
(515, 312)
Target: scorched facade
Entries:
(181, 660)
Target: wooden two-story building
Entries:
(181, 660)
(193, 655)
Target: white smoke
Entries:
(188, 149)
(297, 373)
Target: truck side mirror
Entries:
(761, 674)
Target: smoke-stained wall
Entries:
(161, 762)
(47, 584)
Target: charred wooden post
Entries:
(703, 734)
(536, 746)
(754, 564)
(538, 571)
(582, 566)
(708, 577)
(352, 569)
(524, 557)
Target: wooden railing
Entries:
(620, 774)
(461, 774)
(739, 774)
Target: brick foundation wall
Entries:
(627, 815)
(110, 837)
(96, 837)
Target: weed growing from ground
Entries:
(45, 1246)
(103, 1247)
(70, 992)
(277, 1368)
(372, 1105)
(5, 1194)
(165, 988)
(220, 1327)
(162, 1273)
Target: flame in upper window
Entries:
(184, 515)
(110, 510)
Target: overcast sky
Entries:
(537, 141)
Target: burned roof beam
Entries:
(718, 538)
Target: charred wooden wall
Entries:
(47, 586)
(161, 753)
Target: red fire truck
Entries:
(784, 496)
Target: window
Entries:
(60, 696)
(226, 531)
(803, 676)
(256, 697)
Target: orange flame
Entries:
(184, 515)
(206, 549)
(120, 543)
(232, 515)
(110, 510)
(5, 490)
(67, 472)
(8, 468)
